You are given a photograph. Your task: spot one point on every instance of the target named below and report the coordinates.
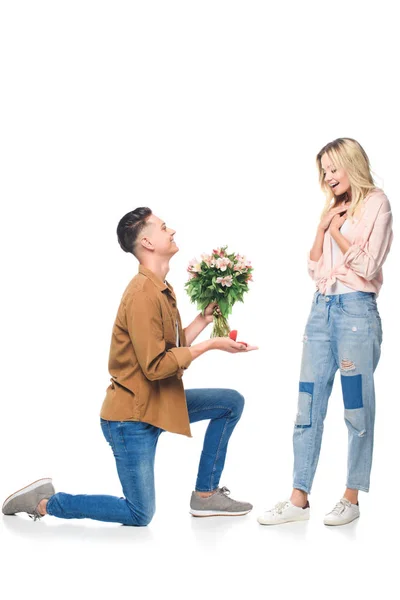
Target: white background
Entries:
(211, 113)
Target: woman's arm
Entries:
(334, 230)
(325, 223)
(367, 259)
(316, 250)
(315, 257)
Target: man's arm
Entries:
(146, 332)
(201, 322)
(195, 328)
(219, 343)
(147, 335)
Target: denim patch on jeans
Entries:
(343, 333)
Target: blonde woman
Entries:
(344, 330)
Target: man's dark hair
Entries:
(130, 226)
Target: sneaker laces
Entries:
(279, 507)
(341, 506)
(36, 516)
(224, 490)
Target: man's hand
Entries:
(228, 345)
(209, 312)
(219, 343)
(200, 322)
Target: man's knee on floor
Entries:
(144, 520)
(140, 518)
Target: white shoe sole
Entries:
(214, 513)
(283, 521)
(338, 523)
(27, 488)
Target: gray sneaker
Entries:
(27, 499)
(218, 505)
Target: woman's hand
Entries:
(327, 219)
(337, 222)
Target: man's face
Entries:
(158, 238)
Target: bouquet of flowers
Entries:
(219, 277)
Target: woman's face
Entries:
(336, 178)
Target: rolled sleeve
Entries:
(183, 359)
(366, 260)
(314, 266)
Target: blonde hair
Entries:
(347, 154)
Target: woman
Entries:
(344, 328)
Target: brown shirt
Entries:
(146, 364)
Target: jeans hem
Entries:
(301, 487)
(49, 501)
(361, 488)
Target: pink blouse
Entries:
(370, 236)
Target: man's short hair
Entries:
(130, 226)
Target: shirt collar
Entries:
(161, 285)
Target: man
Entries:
(149, 353)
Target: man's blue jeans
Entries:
(343, 333)
(134, 446)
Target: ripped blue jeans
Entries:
(134, 446)
(343, 333)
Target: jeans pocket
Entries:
(358, 308)
(303, 416)
(355, 310)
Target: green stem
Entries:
(220, 327)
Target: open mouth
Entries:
(335, 185)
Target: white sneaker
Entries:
(284, 512)
(343, 513)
